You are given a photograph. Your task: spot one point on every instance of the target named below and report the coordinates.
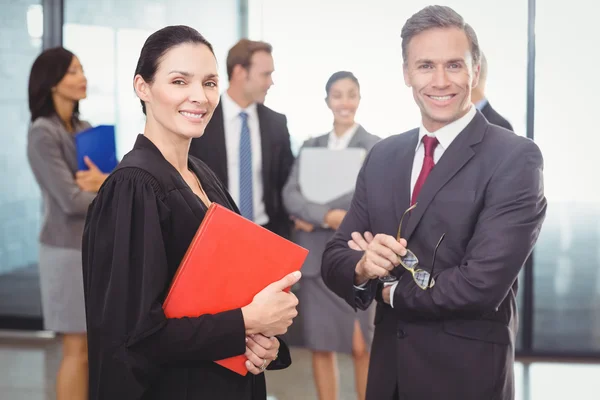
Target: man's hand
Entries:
(260, 351)
(360, 242)
(334, 218)
(92, 179)
(381, 257)
(303, 225)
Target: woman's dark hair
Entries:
(339, 76)
(158, 44)
(47, 71)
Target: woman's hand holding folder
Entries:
(273, 309)
(92, 179)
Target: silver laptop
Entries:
(325, 175)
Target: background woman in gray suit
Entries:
(330, 325)
(56, 84)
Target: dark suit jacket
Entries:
(494, 118)
(456, 340)
(277, 159)
(137, 231)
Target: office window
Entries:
(108, 36)
(312, 39)
(567, 257)
(20, 207)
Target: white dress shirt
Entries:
(335, 142)
(445, 136)
(232, 123)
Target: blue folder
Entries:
(99, 145)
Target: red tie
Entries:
(428, 163)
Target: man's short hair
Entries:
(432, 17)
(241, 53)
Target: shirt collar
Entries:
(448, 133)
(481, 103)
(231, 109)
(346, 136)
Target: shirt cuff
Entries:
(392, 289)
(362, 286)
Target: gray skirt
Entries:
(61, 283)
(328, 321)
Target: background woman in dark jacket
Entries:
(329, 325)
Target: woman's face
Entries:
(185, 90)
(343, 100)
(73, 86)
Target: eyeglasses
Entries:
(409, 261)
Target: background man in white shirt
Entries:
(247, 144)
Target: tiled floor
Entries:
(27, 369)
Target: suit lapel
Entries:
(216, 147)
(401, 170)
(265, 145)
(486, 108)
(323, 140)
(357, 139)
(454, 158)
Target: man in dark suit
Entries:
(482, 103)
(247, 144)
(446, 328)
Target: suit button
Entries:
(401, 334)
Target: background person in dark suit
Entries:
(482, 103)
(247, 144)
(330, 326)
(478, 197)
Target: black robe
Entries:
(136, 233)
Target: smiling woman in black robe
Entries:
(138, 230)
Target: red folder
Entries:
(229, 261)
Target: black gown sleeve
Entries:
(284, 358)
(125, 280)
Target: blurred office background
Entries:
(541, 56)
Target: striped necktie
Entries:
(246, 194)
